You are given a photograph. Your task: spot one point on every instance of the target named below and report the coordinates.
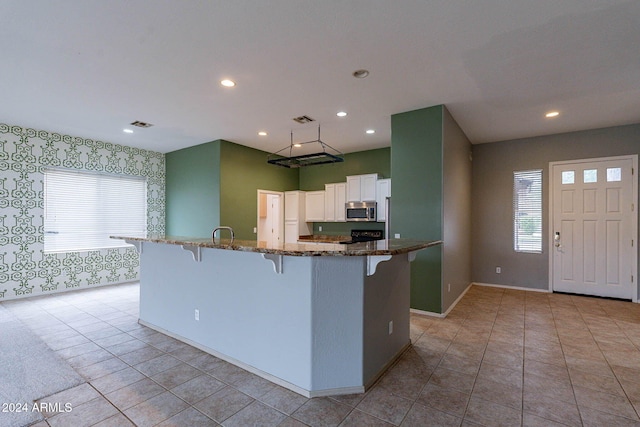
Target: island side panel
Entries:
(386, 299)
(337, 323)
(247, 311)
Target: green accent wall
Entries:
(243, 172)
(193, 190)
(359, 163)
(216, 184)
(417, 197)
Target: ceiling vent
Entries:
(303, 119)
(141, 124)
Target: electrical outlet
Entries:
(319, 228)
(390, 327)
(397, 235)
(197, 314)
(448, 287)
(255, 230)
(498, 270)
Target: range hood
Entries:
(319, 158)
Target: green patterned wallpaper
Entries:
(25, 270)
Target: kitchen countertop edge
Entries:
(377, 247)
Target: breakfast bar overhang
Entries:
(318, 320)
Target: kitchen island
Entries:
(319, 320)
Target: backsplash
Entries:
(25, 270)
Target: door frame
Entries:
(634, 219)
(280, 213)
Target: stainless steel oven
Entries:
(360, 211)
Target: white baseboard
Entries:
(442, 315)
(517, 288)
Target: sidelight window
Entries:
(82, 209)
(527, 211)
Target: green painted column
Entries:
(417, 197)
(193, 190)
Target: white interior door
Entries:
(594, 227)
(273, 218)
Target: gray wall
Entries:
(492, 196)
(456, 201)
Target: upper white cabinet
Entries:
(334, 200)
(314, 203)
(294, 205)
(362, 188)
(382, 192)
(341, 199)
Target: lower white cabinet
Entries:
(294, 229)
(294, 216)
(314, 203)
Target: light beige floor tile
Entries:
(594, 418)
(135, 393)
(503, 394)
(255, 414)
(176, 375)
(454, 380)
(606, 384)
(444, 399)
(286, 401)
(513, 377)
(223, 404)
(420, 415)
(155, 410)
(605, 402)
(384, 405)
(117, 380)
(551, 408)
(321, 412)
(197, 388)
(87, 414)
(189, 417)
(489, 413)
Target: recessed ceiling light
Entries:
(262, 133)
(297, 145)
(227, 83)
(127, 131)
(360, 74)
(552, 114)
(370, 131)
(341, 114)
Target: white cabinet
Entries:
(362, 188)
(334, 200)
(314, 202)
(294, 216)
(341, 199)
(353, 188)
(330, 202)
(383, 191)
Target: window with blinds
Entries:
(82, 209)
(527, 211)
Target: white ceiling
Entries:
(90, 67)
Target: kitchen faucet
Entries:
(213, 234)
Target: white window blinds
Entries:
(82, 209)
(527, 211)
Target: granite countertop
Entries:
(377, 247)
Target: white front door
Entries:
(594, 227)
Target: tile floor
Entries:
(501, 357)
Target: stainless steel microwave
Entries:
(360, 211)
